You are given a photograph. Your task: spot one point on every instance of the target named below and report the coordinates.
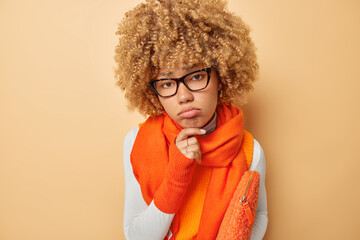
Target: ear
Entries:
(220, 86)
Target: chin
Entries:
(191, 123)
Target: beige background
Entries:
(63, 120)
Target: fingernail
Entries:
(203, 131)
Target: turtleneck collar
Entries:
(211, 125)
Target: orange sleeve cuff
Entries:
(171, 191)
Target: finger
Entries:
(187, 142)
(192, 148)
(182, 144)
(186, 132)
(192, 152)
(197, 157)
(193, 155)
(192, 141)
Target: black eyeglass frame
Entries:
(177, 80)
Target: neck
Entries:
(211, 125)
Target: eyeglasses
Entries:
(194, 81)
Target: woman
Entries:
(183, 63)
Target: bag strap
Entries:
(248, 145)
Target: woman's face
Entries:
(188, 108)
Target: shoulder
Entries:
(127, 148)
(131, 136)
(258, 156)
(128, 144)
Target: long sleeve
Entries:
(140, 220)
(261, 218)
(167, 198)
(149, 222)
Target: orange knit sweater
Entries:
(192, 205)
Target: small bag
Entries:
(240, 215)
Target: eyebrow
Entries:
(165, 74)
(184, 68)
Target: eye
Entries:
(167, 84)
(197, 77)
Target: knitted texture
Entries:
(164, 174)
(193, 202)
(169, 196)
(236, 224)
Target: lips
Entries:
(189, 112)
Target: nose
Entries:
(184, 95)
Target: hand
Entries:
(188, 145)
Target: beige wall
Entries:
(63, 120)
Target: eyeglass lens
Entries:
(194, 81)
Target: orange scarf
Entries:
(156, 162)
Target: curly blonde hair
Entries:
(161, 33)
